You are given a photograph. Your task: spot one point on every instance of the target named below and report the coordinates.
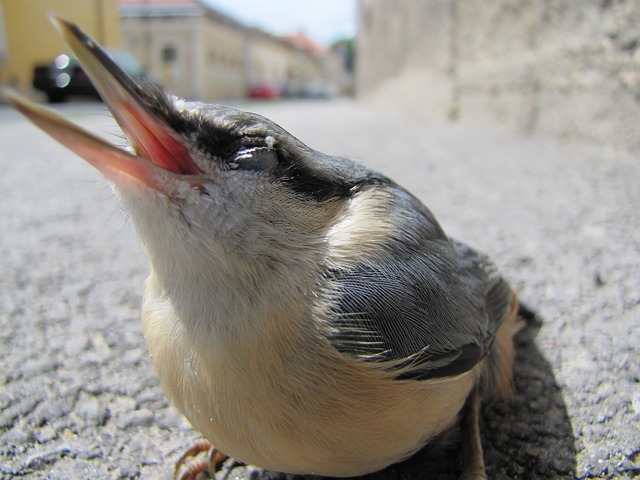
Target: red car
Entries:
(264, 91)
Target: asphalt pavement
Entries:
(78, 396)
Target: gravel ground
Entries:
(79, 398)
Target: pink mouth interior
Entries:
(153, 142)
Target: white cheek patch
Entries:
(364, 229)
(180, 103)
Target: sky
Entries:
(325, 21)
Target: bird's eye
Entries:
(253, 158)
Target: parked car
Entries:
(266, 92)
(65, 76)
(317, 90)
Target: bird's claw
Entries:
(200, 459)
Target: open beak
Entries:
(159, 154)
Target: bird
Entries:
(305, 313)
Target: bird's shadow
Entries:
(527, 437)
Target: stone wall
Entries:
(570, 68)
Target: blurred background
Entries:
(204, 49)
(565, 68)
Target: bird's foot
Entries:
(201, 460)
(474, 468)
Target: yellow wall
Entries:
(32, 39)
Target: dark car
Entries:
(65, 76)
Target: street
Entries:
(79, 398)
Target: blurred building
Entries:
(27, 38)
(189, 48)
(4, 51)
(198, 52)
(270, 65)
(313, 75)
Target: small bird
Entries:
(305, 313)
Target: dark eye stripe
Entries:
(312, 184)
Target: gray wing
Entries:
(428, 307)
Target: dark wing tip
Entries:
(453, 363)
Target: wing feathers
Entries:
(426, 307)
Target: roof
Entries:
(303, 42)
